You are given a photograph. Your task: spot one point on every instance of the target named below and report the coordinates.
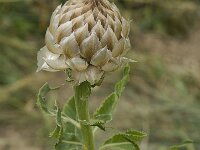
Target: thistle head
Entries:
(87, 37)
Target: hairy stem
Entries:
(82, 93)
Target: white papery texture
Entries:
(89, 37)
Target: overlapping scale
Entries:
(89, 37)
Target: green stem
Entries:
(82, 93)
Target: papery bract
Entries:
(89, 37)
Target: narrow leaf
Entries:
(71, 134)
(99, 124)
(95, 123)
(136, 135)
(58, 132)
(41, 102)
(124, 141)
(183, 145)
(55, 133)
(62, 132)
(41, 98)
(120, 86)
(105, 111)
(58, 116)
(70, 109)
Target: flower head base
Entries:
(89, 37)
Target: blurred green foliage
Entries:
(167, 102)
(173, 17)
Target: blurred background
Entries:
(162, 97)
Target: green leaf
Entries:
(184, 144)
(120, 86)
(70, 109)
(105, 111)
(68, 145)
(71, 134)
(124, 141)
(63, 132)
(55, 133)
(41, 102)
(98, 123)
(95, 123)
(136, 135)
(58, 132)
(58, 116)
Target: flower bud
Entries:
(89, 37)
